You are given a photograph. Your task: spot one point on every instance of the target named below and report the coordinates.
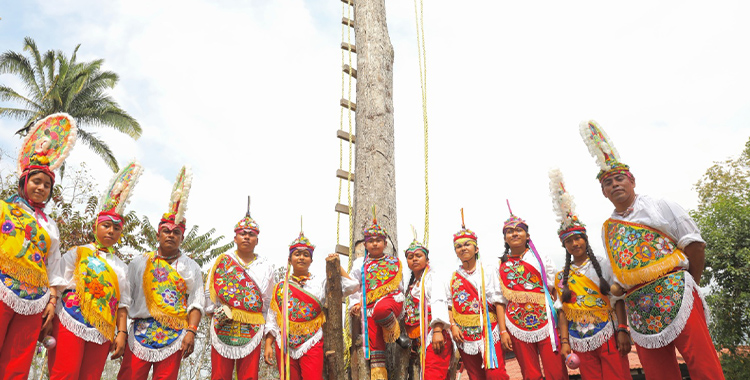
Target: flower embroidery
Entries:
(635, 320)
(654, 322)
(645, 302)
(8, 226)
(16, 212)
(648, 237)
(96, 288)
(626, 257)
(665, 304)
(160, 336)
(71, 300)
(169, 296)
(659, 289)
(28, 231)
(8, 282)
(664, 246)
(160, 274)
(531, 321)
(113, 305)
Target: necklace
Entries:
(580, 269)
(242, 263)
(301, 279)
(168, 258)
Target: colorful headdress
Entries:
(48, 144)
(415, 244)
(375, 230)
(465, 233)
(175, 217)
(514, 221)
(301, 242)
(602, 150)
(118, 193)
(247, 223)
(565, 208)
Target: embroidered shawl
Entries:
(305, 313)
(24, 246)
(382, 276)
(98, 291)
(588, 312)
(465, 302)
(234, 287)
(166, 292)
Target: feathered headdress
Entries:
(375, 230)
(301, 242)
(415, 244)
(247, 223)
(48, 144)
(178, 200)
(118, 192)
(464, 233)
(602, 150)
(565, 208)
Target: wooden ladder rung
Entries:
(342, 250)
(349, 70)
(347, 21)
(350, 2)
(343, 174)
(345, 136)
(344, 209)
(348, 105)
(349, 47)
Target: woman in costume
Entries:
(474, 296)
(29, 246)
(426, 314)
(527, 281)
(91, 316)
(299, 338)
(380, 300)
(586, 323)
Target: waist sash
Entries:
(305, 313)
(588, 313)
(24, 246)
(97, 290)
(234, 287)
(166, 293)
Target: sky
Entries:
(247, 93)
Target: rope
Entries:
(422, 54)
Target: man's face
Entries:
(375, 246)
(169, 238)
(619, 189)
(246, 241)
(108, 232)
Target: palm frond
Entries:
(99, 147)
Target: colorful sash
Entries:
(153, 335)
(382, 277)
(24, 246)
(234, 287)
(466, 308)
(97, 290)
(412, 316)
(305, 313)
(639, 253)
(523, 287)
(166, 293)
(588, 313)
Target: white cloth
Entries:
(31, 307)
(665, 216)
(190, 271)
(492, 294)
(549, 267)
(356, 275)
(68, 266)
(316, 286)
(262, 272)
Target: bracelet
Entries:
(194, 327)
(192, 331)
(53, 303)
(620, 329)
(621, 326)
(503, 332)
(122, 331)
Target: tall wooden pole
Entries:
(333, 344)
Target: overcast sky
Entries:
(247, 93)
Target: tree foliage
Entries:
(55, 83)
(199, 247)
(723, 214)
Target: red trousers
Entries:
(528, 359)
(308, 367)
(133, 368)
(68, 362)
(696, 347)
(384, 314)
(18, 335)
(223, 368)
(436, 365)
(604, 363)
(473, 365)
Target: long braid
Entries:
(566, 294)
(604, 287)
(504, 257)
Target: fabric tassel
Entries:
(34, 277)
(149, 354)
(22, 306)
(586, 316)
(235, 352)
(243, 316)
(391, 329)
(671, 332)
(80, 330)
(522, 297)
(593, 342)
(650, 273)
(378, 373)
(89, 309)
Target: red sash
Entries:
(412, 317)
(382, 277)
(523, 287)
(465, 303)
(305, 313)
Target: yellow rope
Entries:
(422, 54)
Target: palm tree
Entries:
(55, 83)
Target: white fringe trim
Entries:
(593, 342)
(80, 330)
(20, 305)
(235, 352)
(477, 346)
(527, 336)
(296, 353)
(671, 332)
(152, 355)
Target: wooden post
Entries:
(333, 344)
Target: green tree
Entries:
(199, 247)
(723, 214)
(56, 83)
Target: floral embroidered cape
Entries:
(305, 313)
(588, 312)
(526, 310)
(412, 315)
(166, 292)
(97, 290)
(465, 303)
(382, 277)
(24, 246)
(234, 287)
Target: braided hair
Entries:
(604, 287)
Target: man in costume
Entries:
(167, 298)
(240, 285)
(527, 281)
(657, 255)
(92, 318)
(380, 300)
(29, 246)
(584, 302)
(299, 336)
(473, 300)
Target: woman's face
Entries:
(466, 250)
(516, 237)
(417, 261)
(576, 246)
(38, 188)
(300, 260)
(108, 232)
(375, 246)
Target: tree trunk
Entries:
(333, 344)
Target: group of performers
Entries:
(644, 288)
